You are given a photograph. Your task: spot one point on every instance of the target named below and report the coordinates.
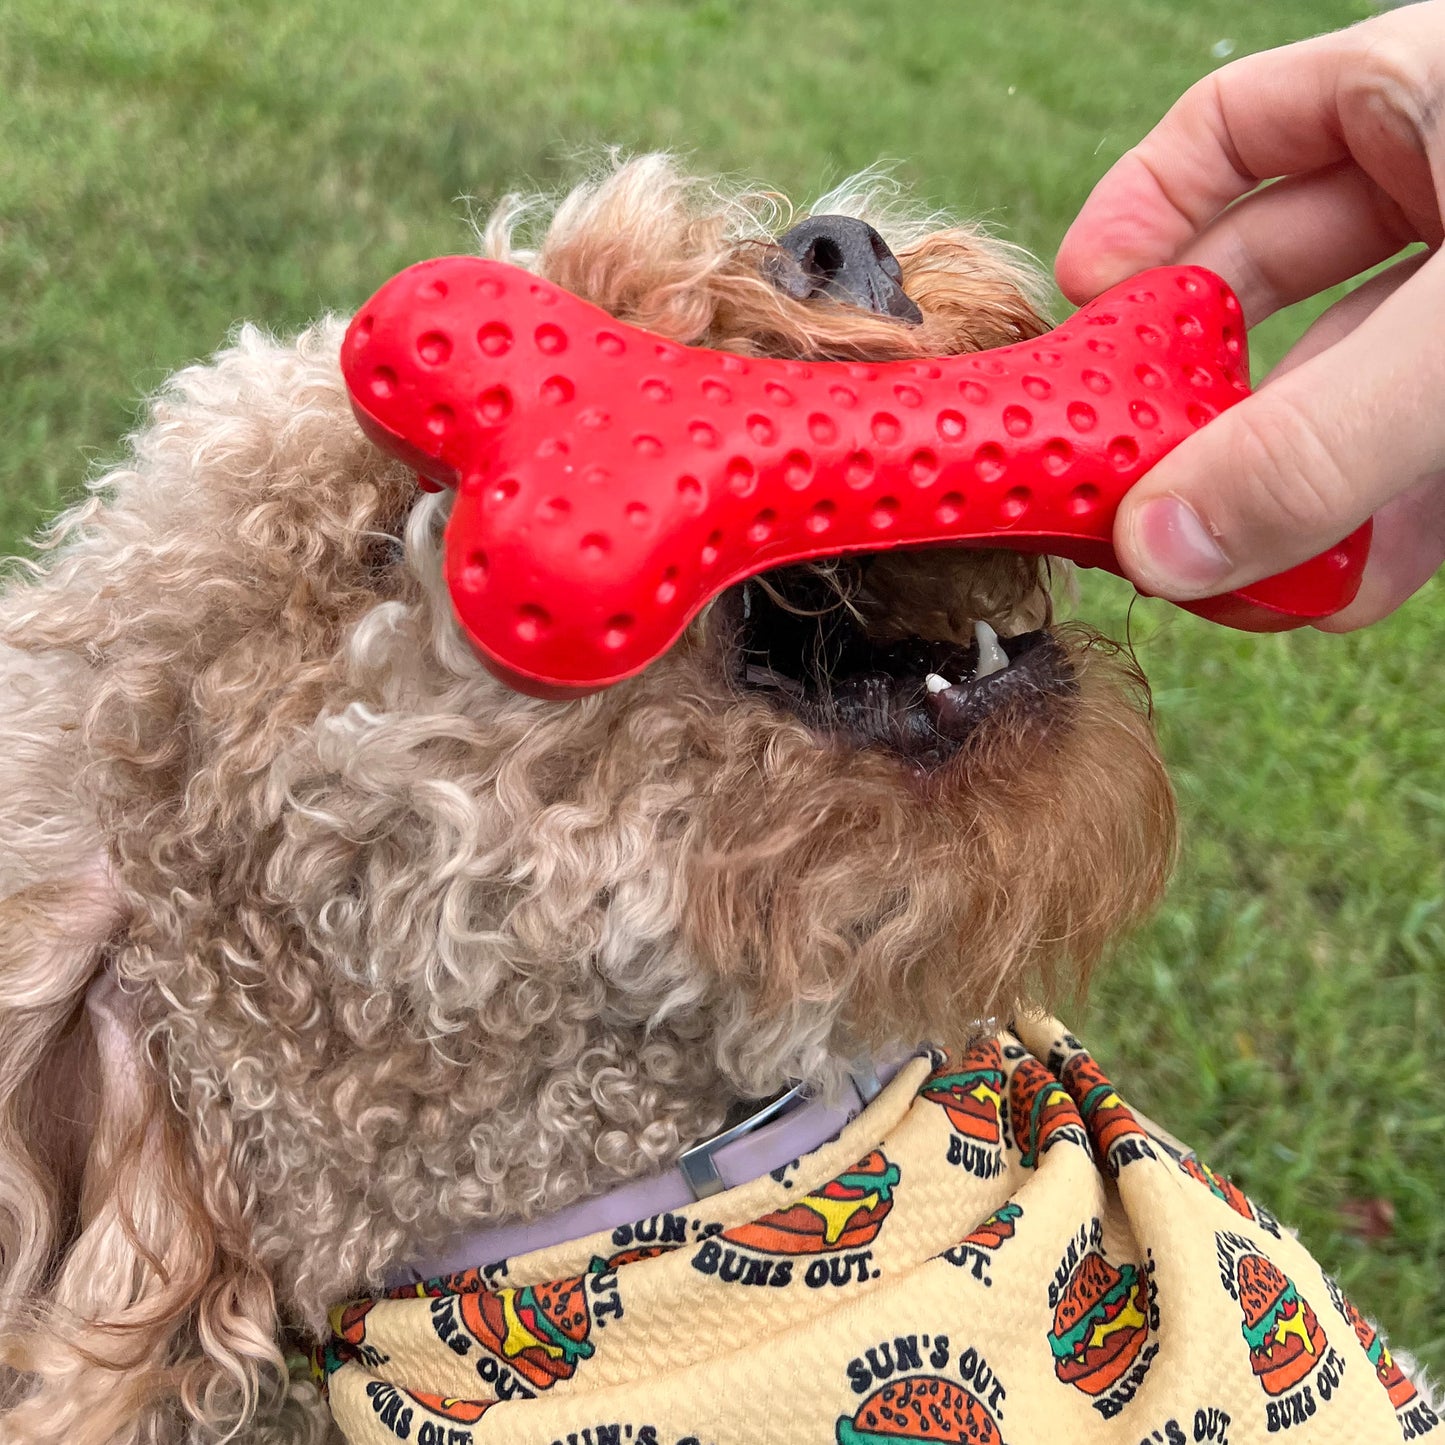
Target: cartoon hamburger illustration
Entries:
(1389, 1374)
(462, 1412)
(541, 1330)
(633, 1255)
(1100, 1324)
(1217, 1185)
(998, 1227)
(1041, 1111)
(348, 1322)
(348, 1330)
(463, 1281)
(922, 1409)
(971, 1094)
(1106, 1116)
(1284, 1335)
(846, 1213)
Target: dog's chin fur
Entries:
(400, 951)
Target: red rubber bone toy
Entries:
(610, 482)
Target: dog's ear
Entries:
(125, 1297)
(178, 620)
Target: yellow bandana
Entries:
(994, 1251)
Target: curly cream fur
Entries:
(398, 951)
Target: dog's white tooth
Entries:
(747, 601)
(991, 657)
(934, 683)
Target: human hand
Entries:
(1352, 422)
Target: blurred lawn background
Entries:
(167, 168)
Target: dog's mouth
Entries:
(804, 639)
(821, 642)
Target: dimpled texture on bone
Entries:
(610, 482)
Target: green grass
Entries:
(168, 168)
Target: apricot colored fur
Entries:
(317, 945)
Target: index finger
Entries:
(1267, 115)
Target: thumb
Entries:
(1288, 472)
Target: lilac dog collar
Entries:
(783, 1130)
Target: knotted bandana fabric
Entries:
(996, 1250)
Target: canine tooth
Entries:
(934, 683)
(991, 657)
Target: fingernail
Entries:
(1177, 556)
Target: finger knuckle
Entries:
(1282, 453)
(1394, 83)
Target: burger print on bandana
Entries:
(633, 1255)
(1292, 1359)
(1221, 1188)
(1042, 1112)
(1217, 1185)
(1286, 1341)
(347, 1342)
(975, 1251)
(541, 1331)
(1118, 1139)
(845, 1213)
(1102, 1319)
(923, 1409)
(461, 1281)
(1389, 1374)
(839, 1220)
(997, 1228)
(348, 1322)
(460, 1412)
(972, 1096)
(1414, 1413)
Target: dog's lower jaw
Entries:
(919, 904)
(908, 652)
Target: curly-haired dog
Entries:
(320, 949)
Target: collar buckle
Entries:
(699, 1164)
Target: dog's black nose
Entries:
(848, 260)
